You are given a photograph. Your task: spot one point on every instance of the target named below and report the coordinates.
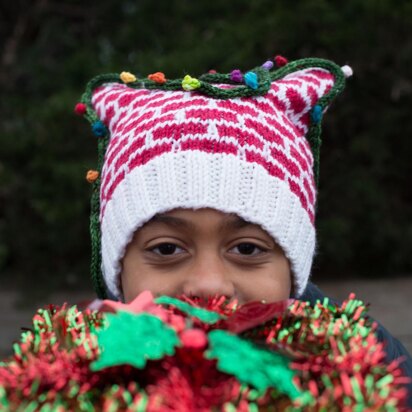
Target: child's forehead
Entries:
(193, 218)
(203, 222)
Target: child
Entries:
(208, 186)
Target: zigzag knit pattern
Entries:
(266, 130)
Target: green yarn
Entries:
(265, 78)
(206, 87)
(95, 266)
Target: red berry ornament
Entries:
(80, 109)
(281, 61)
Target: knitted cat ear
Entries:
(296, 96)
(298, 101)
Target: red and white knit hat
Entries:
(239, 143)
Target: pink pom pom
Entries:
(194, 338)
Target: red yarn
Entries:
(281, 61)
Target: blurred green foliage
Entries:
(50, 49)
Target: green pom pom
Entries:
(190, 83)
(133, 339)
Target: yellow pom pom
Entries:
(92, 176)
(190, 83)
(127, 77)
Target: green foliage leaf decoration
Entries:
(250, 364)
(204, 315)
(133, 340)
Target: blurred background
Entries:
(50, 49)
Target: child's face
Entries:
(205, 252)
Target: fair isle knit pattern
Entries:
(179, 149)
(266, 130)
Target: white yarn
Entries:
(347, 71)
(198, 180)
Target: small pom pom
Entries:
(193, 338)
(251, 80)
(157, 77)
(236, 76)
(92, 176)
(127, 77)
(211, 71)
(190, 83)
(281, 61)
(316, 114)
(347, 71)
(80, 109)
(268, 65)
(99, 129)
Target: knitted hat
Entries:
(240, 143)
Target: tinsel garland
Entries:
(169, 354)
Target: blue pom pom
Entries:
(99, 129)
(316, 114)
(251, 80)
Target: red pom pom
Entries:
(212, 71)
(80, 109)
(281, 61)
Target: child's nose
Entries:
(209, 277)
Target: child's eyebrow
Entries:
(171, 221)
(231, 222)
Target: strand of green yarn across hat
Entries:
(243, 143)
(169, 354)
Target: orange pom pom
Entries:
(157, 77)
(92, 176)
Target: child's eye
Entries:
(166, 249)
(248, 249)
